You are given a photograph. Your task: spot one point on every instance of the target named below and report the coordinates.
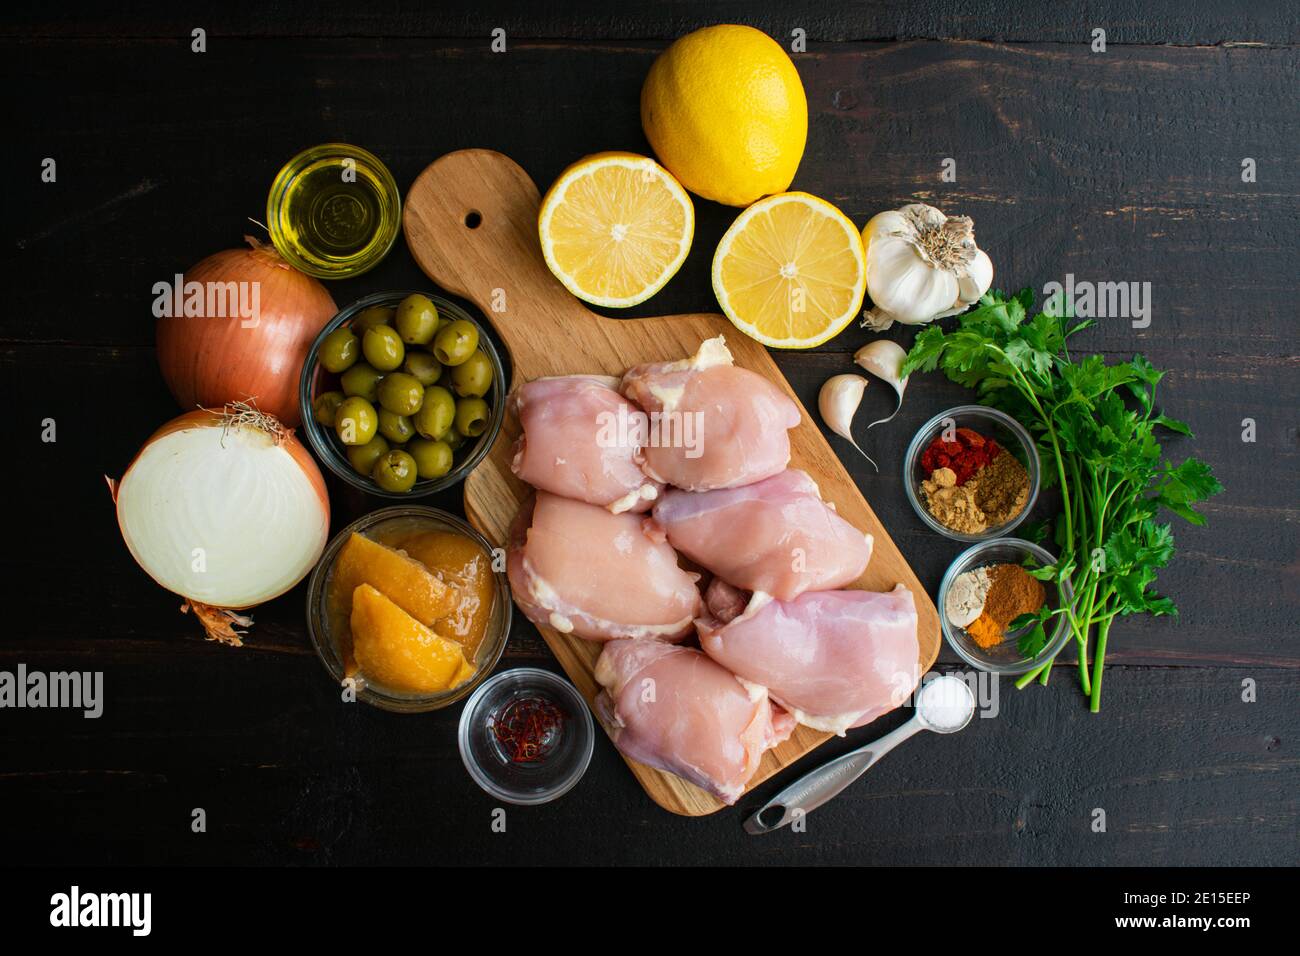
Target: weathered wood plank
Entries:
(1186, 773)
(1153, 21)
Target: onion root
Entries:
(219, 623)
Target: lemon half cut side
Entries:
(615, 227)
(791, 271)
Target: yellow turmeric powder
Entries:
(985, 631)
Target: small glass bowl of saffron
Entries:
(526, 736)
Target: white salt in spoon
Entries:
(944, 705)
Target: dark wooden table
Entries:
(1122, 165)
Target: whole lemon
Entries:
(725, 111)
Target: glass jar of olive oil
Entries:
(334, 211)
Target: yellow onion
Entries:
(222, 356)
(226, 509)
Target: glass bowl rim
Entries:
(916, 446)
(291, 169)
(316, 594)
(563, 687)
(963, 562)
(326, 451)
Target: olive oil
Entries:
(334, 211)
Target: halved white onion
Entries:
(226, 509)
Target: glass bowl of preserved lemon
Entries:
(402, 394)
(409, 609)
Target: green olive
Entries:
(453, 438)
(472, 417)
(395, 471)
(473, 377)
(371, 317)
(325, 407)
(401, 393)
(456, 343)
(361, 381)
(437, 413)
(396, 428)
(339, 350)
(417, 320)
(383, 348)
(423, 366)
(356, 421)
(363, 457)
(432, 458)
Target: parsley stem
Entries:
(1099, 661)
(1028, 391)
(1024, 680)
(1081, 638)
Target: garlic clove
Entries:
(978, 278)
(883, 223)
(838, 401)
(902, 284)
(884, 359)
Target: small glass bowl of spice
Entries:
(526, 736)
(971, 473)
(983, 594)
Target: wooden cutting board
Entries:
(471, 224)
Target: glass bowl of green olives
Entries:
(402, 394)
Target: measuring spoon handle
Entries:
(827, 781)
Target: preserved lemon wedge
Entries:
(405, 581)
(791, 271)
(397, 651)
(615, 227)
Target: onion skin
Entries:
(208, 362)
(218, 622)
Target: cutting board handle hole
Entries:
(473, 219)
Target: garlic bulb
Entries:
(838, 400)
(921, 266)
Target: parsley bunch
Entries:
(1095, 426)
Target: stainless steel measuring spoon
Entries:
(944, 705)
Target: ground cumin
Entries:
(1013, 591)
(1002, 488)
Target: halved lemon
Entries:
(615, 227)
(791, 271)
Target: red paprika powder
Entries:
(966, 454)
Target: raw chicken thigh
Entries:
(834, 659)
(579, 441)
(713, 425)
(583, 571)
(776, 535)
(672, 708)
